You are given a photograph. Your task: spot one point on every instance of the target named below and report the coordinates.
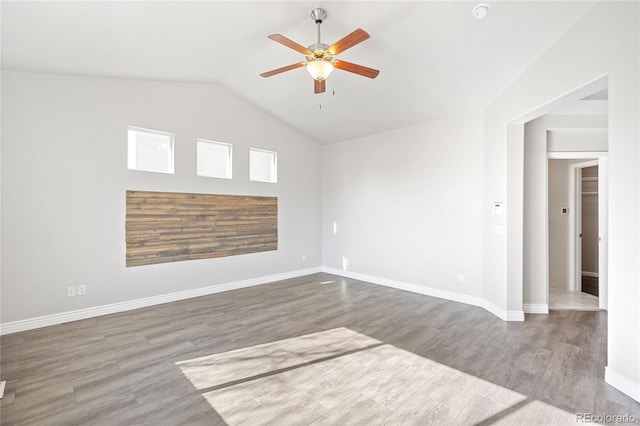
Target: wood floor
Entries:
(316, 350)
(561, 298)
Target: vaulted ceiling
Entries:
(435, 58)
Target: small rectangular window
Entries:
(263, 165)
(214, 159)
(150, 150)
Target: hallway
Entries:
(561, 298)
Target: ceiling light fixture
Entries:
(480, 11)
(320, 59)
(319, 68)
(319, 63)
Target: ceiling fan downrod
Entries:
(318, 15)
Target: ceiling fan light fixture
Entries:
(320, 68)
(321, 58)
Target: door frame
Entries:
(599, 159)
(575, 223)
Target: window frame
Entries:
(274, 165)
(171, 159)
(230, 157)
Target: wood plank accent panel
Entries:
(170, 227)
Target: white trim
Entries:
(434, 292)
(535, 308)
(2, 385)
(47, 320)
(228, 157)
(414, 288)
(575, 250)
(274, 165)
(575, 155)
(576, 171)
(513, 315)
(491, 308)
(170, 160)
(575, 222)
(620, 382)
(603, 233)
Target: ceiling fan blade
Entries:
(290, 43)
(350, 40)
(319, 86)
(356, 69)
(283, 69)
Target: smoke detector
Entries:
(480, 11)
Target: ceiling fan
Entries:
(321, 58)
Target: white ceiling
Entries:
(435, 58)
(595, 104)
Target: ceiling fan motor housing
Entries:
(319, 49)
(319, 52)
(318, 15)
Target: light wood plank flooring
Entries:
(561, 298)
(315, 350)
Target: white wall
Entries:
(407, 205)
(575, 139)
(64, 177)
(537, 142)
(558, 225)
(534, 268)
(603, 42)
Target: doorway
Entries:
(571, 127)
(577, 224)
(589, 257)
(587, 217)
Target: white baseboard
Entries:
(504, 315)
(54, 319)
(590, 274)
(535, 308)
(434, 292)
(47, 320)
(621, 383)
(513, 315)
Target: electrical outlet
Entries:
(461, 279)
(71, 292)
(304, 257)
(82, 290)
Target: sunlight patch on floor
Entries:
(340, 376)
